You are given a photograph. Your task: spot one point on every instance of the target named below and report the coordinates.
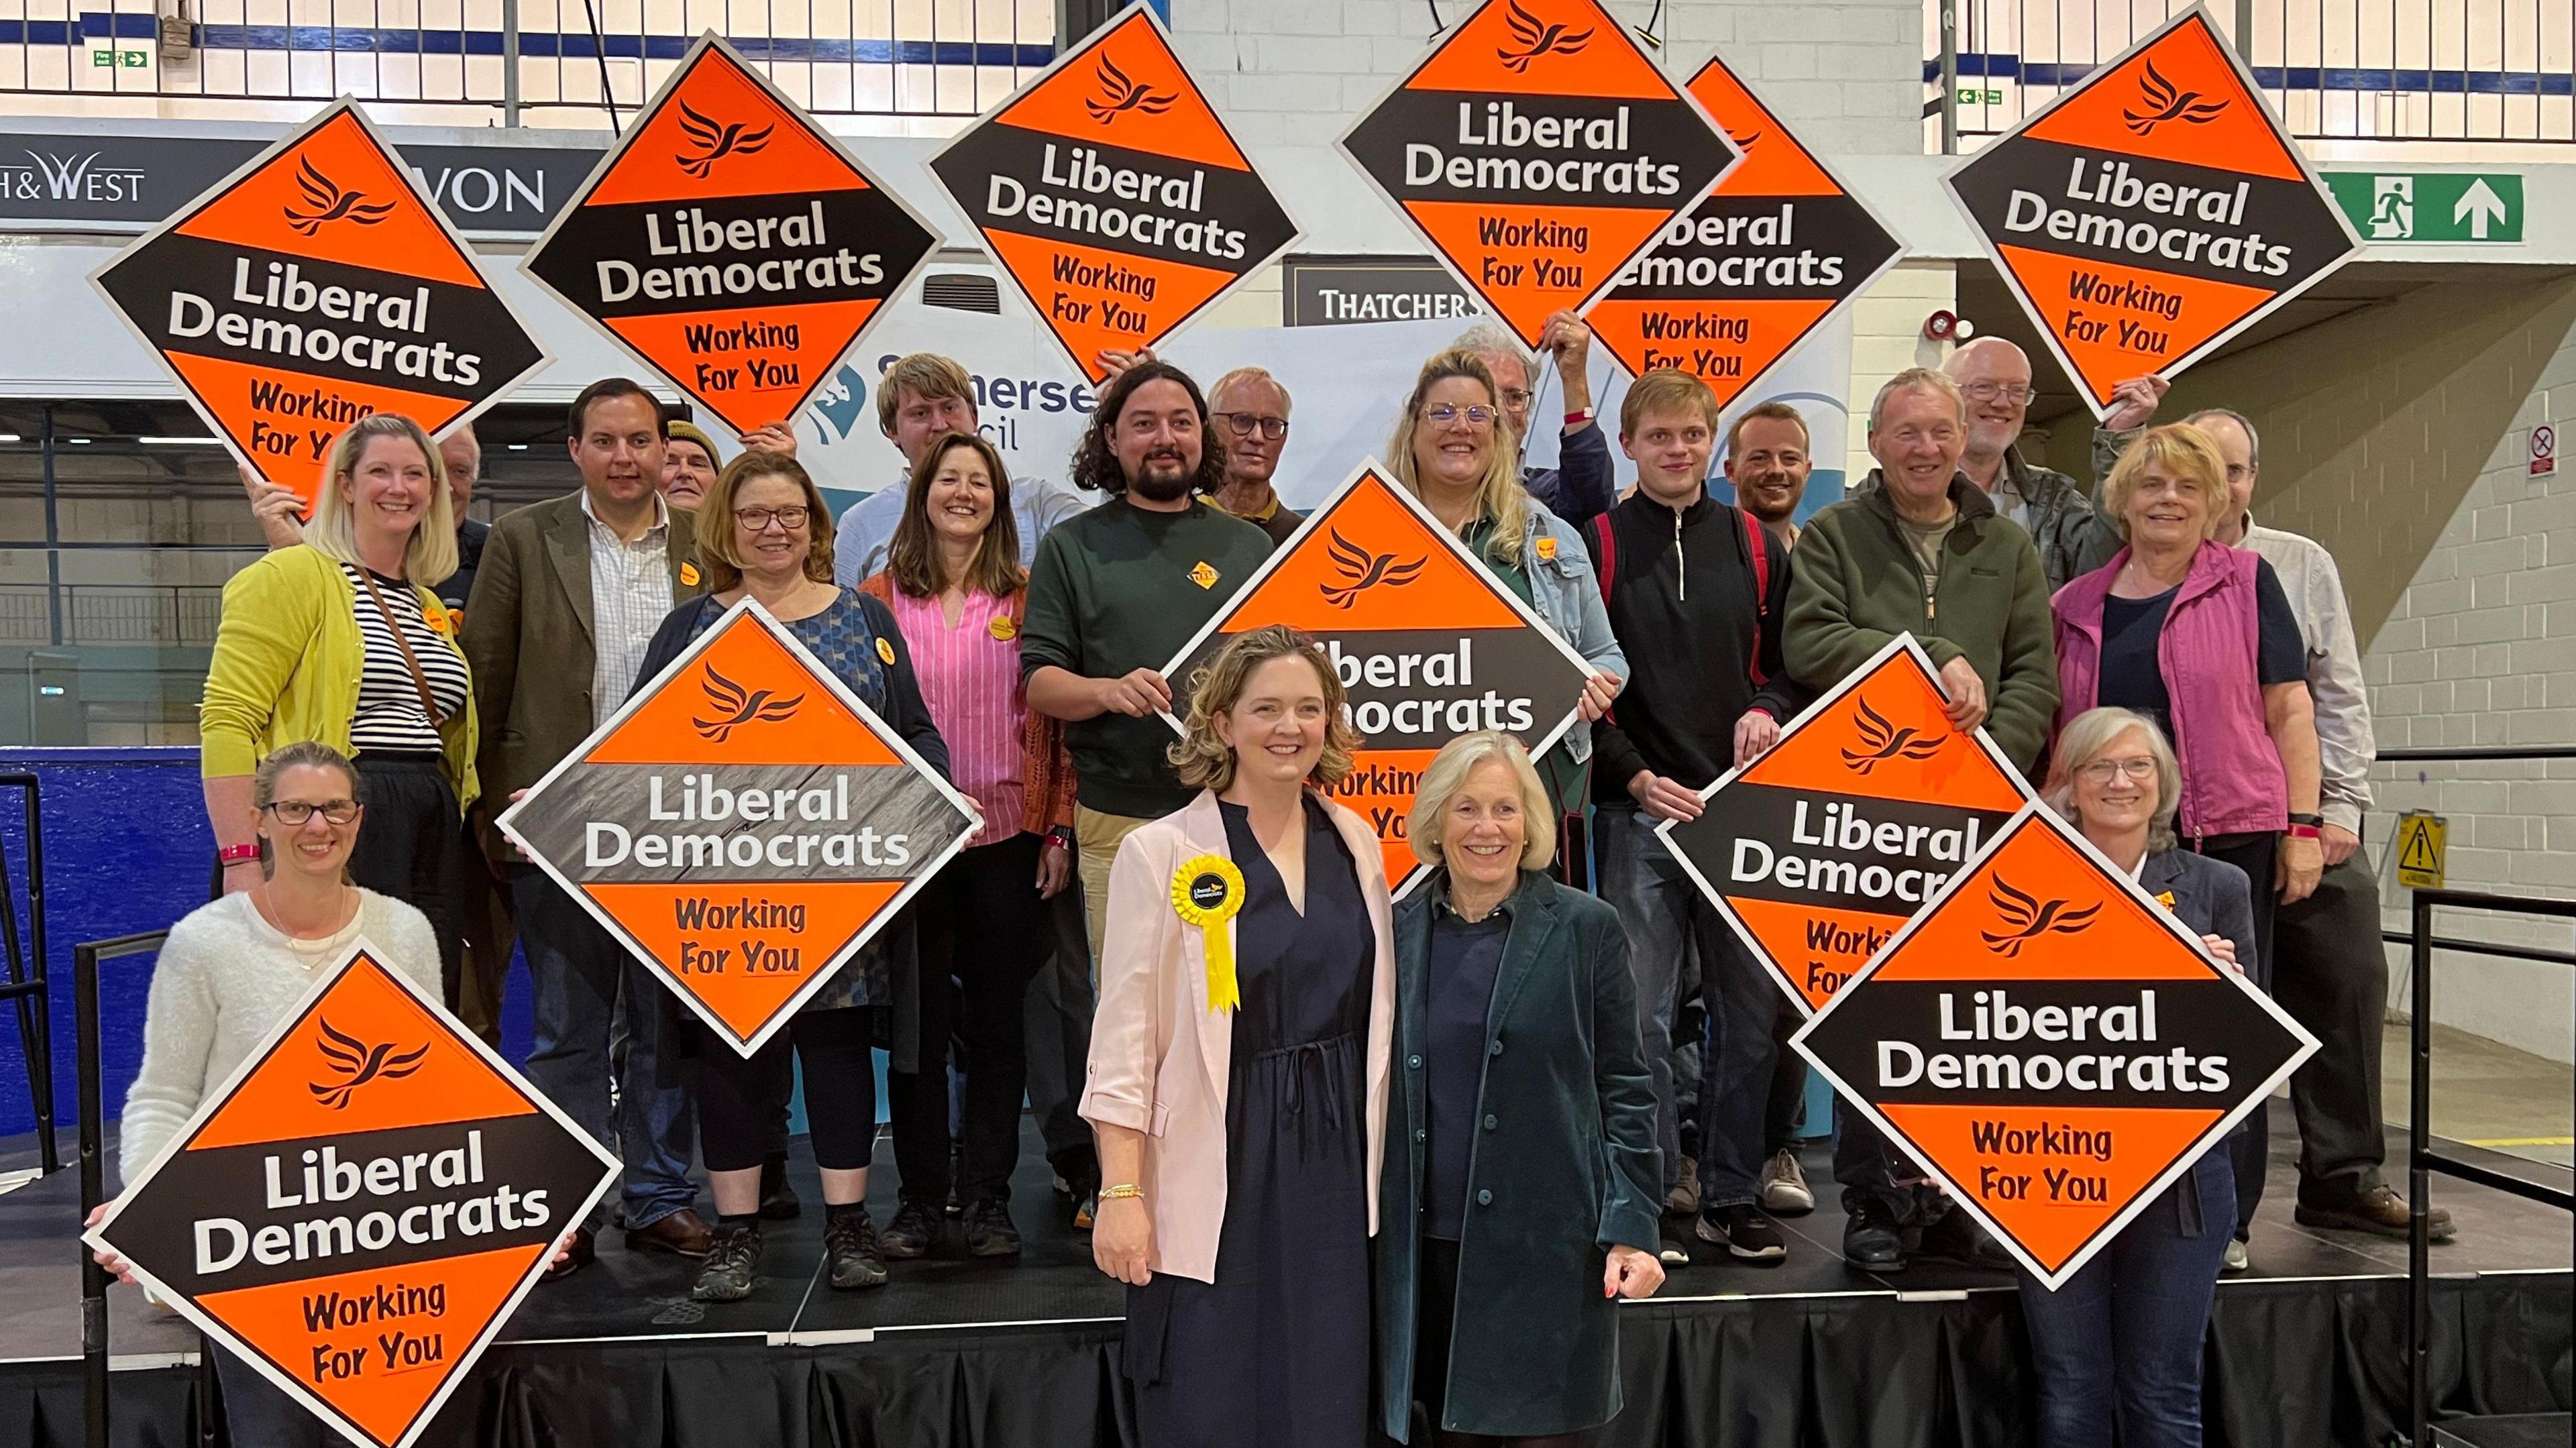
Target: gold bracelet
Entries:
(1123, 1191)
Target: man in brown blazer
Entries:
(564, 605)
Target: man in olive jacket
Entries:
(1923, 551)
(1919, 548)
(564, 606)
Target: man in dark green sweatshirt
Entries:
(1919, 548)
(1116, 592)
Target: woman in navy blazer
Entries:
(1519, 1197)
(2120, 1341)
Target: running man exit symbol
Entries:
(2392, 208)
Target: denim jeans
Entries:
(578, 971)
(1666, 915)
(2121, 1341)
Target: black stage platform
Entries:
(2306, 1350)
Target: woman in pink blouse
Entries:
(954, 581)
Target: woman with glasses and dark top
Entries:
(340, 640)
(955, 586)
(770, 539)
(1522, 1180)
(2120, 1342)
(1239, 1064)
(237, 967)
(1453, 448)
(2200, 638)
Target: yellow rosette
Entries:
(1206, 892)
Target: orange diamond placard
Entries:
(1539, 150)
(730, 243)
(2153, 212)
(1430, 644)
(745, 823)
(1819, 849)
(2052, 1043)
(1110, 192)
(1739, 280)
(360, 1208)
(310, 288)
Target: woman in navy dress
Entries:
(1239, 1069)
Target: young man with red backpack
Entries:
(1696, 590)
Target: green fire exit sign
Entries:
(2420, 206)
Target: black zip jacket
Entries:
(1681, 602)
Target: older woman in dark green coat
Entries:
(1518, 1200)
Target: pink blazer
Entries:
(1160, 1058)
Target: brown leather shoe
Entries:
(2379, 1211)
(579, 1253)
(682, 1234)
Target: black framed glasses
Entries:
(1245, 424)
(759, 519)
(295, 814)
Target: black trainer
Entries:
(1747, 1235)
(989, 1229)
(778, 1202)
(1872, 1241)
(850, 1253)
(732, 1265)
(913, 1232)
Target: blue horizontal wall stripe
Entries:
(2292, 78)
(99, 25)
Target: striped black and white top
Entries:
(389, 711)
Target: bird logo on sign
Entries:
(2030, 918)
(1885, 741)
(716, 140)
(2164, 103)
(740, 706)
(330, 203)
(1364, 570)
(1538, 39)
(356, 1063)
(1119, 95)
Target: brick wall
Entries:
(2480, 648)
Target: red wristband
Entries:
(1577, 419)
(2305, 832)
(237, 854)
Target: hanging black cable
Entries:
(599, 48)
(1646, 32)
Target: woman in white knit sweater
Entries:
(235, 968)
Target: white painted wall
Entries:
(2481, 649)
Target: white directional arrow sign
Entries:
(2479, 206)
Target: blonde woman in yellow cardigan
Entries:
(340, 640)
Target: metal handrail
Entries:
(93, 1165)
(2422, 1161)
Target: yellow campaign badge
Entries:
(1206, 892)
(1547, 550)
(885, 651)
(1002, 628)
(1202, 575)
(689, 574)
(442, 619)
(2165, 898)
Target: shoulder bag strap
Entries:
(410, 660)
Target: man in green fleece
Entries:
(1919, 548)
(1116, 592)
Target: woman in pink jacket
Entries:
(1238, 1079)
